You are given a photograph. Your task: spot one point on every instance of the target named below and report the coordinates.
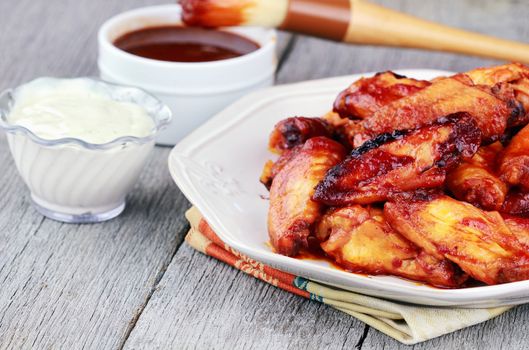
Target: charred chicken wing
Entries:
(516, 203)
(360, 240)
(474, 180)
(478, 241)
(514, 162)
(292, 132)
(400, 162)
(443, 97)
(292, 211)
(365, 96)
(491, 76)
(349, 132)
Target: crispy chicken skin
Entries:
(491, 76)
(508, 82)
(367, 95)
(474, 180)
(349, 132)
(361, 241)
(400, 162)
(519, 227)
(347, 218)
(514, 162)
(292, 212)
(271, 169)
(516, 203)
(521, 94)
(294, 131)
(478, 241)
(443, 97)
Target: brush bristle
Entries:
(215, 13)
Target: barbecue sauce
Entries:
(185, 44)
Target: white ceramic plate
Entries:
(217, 167)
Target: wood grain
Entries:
(72, 286)
(204, 304)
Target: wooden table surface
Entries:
(131, 283)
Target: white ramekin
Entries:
(72, 180)
(193, 91)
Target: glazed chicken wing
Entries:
(443, 97)
(400, 162)
(478, 241)
(271, 169)
(367, 95)
(292, 132)
(508, 82)
(516, 203)
(349, 132)
(360, 240)
(519, 227)
(514, 162)
(521, 94)
(491, 76)
(474, 180)
(292, 212)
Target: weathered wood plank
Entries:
(204, 304)
(71, 286)
(201, 303)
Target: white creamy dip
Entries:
(68, 180)
(77, 108)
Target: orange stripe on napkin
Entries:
(207, 241)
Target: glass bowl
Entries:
(75, 181)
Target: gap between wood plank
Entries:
(360, 343)
(286, 53)
(158, 278)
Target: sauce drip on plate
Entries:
(185, 44)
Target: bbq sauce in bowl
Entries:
(185, 44)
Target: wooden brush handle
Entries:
(376, 25)
(352, 21)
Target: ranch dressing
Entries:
(77, 109)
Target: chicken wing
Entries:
(507, 82)
(367, 95)
(443, 97)
(521, 94)
(400, 162)
(514, 162)
(491, 76)
(361, 241)
(292, 132)
(474, 180)
(271, 169)
(292, 212)
(348, 132)
(478, 241)
(519, 227)
(516, 203)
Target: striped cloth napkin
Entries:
(406, 323)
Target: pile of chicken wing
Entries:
(426, 180)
